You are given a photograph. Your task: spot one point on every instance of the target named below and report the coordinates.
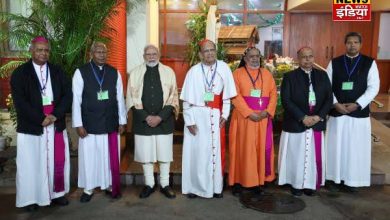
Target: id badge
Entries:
(347, 86)
(102, 95)
(312, 97)
(46, 100)
(256, 93)
(208, 97)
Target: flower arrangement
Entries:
(278, 66)
(234, 65)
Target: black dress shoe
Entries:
(258, 190)
(296, 192)
(62, 201)
(309, 192)
(31, 208)
(191, 196)
(350, 189)
(331, 186)
(85, 197)
(168, 192)
(109, 193)
(236, 189)
(218, 195)
(146, 191)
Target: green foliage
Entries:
(7, 68)
(196, 25)
(70, 25)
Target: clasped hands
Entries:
(257, 116)
(346, 108)
(153, 120)
(309, 121)
(49, 119)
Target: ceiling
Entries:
(326, 5)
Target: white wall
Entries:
(384, 36)
(136, 36)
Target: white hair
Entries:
(96, 44)
(149, 46)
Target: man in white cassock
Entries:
(99, 116)
(355, 83)
(42, 95)
(206, 94)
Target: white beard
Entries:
(151, 64)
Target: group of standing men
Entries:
(42, 95)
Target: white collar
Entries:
(306, 71)
(352, 56)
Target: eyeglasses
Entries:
(41, 50)
(100, 52)
(209, 51)
(151, 54)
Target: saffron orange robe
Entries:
(247, 139)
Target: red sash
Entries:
(217, 104)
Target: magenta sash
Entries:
(317, 146)
(114, 163)
(59, 154)
(261, 104)
(317, 143)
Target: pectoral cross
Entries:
(260, 102)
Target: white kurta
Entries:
(153, 148)
(201, 163)
(348, 144)
(297, 160)
(94, 156)
(35, 161)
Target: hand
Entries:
(52, 118)
(81, 132)
(46, 122)
(254, 117)
(263, 114)
(351, 107)
(121, 129)
(153, 121)
(341, 108)
(222, 122)
(309, 121)
(317, 119)
(193, 129)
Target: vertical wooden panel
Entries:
(384, 75)
(339, 30)
(286, 33)
(311, 30)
